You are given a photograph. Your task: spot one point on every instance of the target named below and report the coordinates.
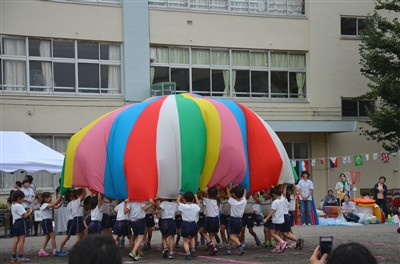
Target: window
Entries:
(231, 73)
(258, 7)
(356, 108)
(297, 151)
(60, 66)
(105, 2)
(351, 26)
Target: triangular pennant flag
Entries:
(293, 163)
(374, 156)
(303, 165)
(333, 162)
(358, 160)
(344, 160)
(322, 161)
(348, 159)
(366, 157)
(385, 157)
(313, 162)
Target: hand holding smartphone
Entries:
(325, 245)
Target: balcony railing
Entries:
(254, 7)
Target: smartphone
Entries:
(325, 245)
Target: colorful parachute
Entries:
(175, 143)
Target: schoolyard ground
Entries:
(382, 240)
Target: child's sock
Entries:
(188, 252)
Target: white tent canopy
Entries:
(18, 151)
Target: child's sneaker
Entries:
(299, 244)
(121, 243)
(43, 253)
(283, 246)
(165, 253)
(193, 253)
(291, 245)
(23, 259)
(258, 242)
(228, 252)
(14, 260)
(208, 246)
(61, 254)
(55, 251)
(276, 250)
(140, 255)
(171, 255)
(214, 251)
(134, 256)
(241, 249)
(188, 256)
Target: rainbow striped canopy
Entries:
(175, 143)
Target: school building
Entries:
(296, 63)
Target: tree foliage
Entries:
(380, 64)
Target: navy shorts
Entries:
(138, 227)
(202, 220)
(248, 220)
(189, 229)
(235, 225)
(286, 227)
(121, 228)
(277, 227)
(268, 224)
(212, 225)
(77, 223)
(47, 226)
(20, 228)
(94, 227)
(167, 227)
(107, 221)
(178, 221)
(225, 220)
(71, 230)
(149, 220)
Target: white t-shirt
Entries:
(225, 207)
(70, 214)
(248, 209)
(237, 207)
(29, 193)
(278, 216)
(349, 207)
(211, 207)
(285, 203)
(45, 212)
(339, 186)
(120, 212)
(96, 214)
(305, 188)
(190, 212)
(77, 208)
(17, 211)
(136, 210)
(292, 203)
(168, 210)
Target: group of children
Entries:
(227, 211)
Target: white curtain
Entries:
(220, 57)
(44, 49)
(14, 71)
(162, 55)
(114, 71)
(179, 56)
(200, 57)
(240, 58)
(225, 75)
(279, 60)
(259, 59)
(277, 7)
(300, 81)
(152, 73)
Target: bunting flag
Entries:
(348, 159)
(374, 156)
(344, 160)
(366, 157)
(294, 163)
(358, 161)
(313, 163)
(303, 165)
(322, 161)
(333, 162)
(385, 157)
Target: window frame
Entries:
(358, 116)
(357, 35)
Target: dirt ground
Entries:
(382, 240)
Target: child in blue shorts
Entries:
(46, 212)
(121, 226)
(237, 201)
(225, 209)
(96, 215)
(212, 219)
(167, 209)
(190, 211)
(20, 229)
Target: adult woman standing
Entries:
(380, 194)
(342, 187)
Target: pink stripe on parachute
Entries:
(90, 155)
(231, 166)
